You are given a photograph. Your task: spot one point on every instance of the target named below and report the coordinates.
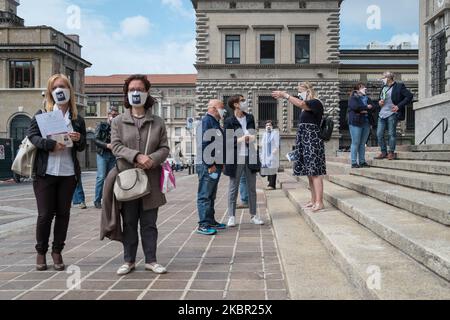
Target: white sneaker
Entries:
(125, 269)
(257, 220)
(231, 222)
(156, 268)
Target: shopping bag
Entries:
(168, 182)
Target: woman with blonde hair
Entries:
(309, 154)
(56, 171)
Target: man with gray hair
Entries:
(210, 166)
(394, 97)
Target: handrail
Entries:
(444, 123)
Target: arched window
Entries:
(19, 126)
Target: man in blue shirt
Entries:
(210, 166)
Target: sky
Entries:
(158, 36)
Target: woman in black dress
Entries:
(309, 154)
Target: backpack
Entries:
(326, 128)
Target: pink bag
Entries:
(167, 178)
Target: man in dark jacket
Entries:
(105, 159)
(394, 98)
(210, 166)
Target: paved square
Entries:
(238, 263)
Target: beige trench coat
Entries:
(128, 141)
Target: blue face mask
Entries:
(214, 175)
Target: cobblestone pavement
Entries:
(238, 263)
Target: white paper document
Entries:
(53, 126)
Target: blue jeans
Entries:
(78, 195)
(206, 195)
(359, 139)
(391, 124)
(105, 163)
(243, 189)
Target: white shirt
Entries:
(243, 121)
(60, 163)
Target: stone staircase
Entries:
(391, 220)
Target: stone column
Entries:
(4, 83)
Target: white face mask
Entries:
(303, 95)
(137, 98)
(363, 91)
(385, 81)
(222, 113)
(244, 106)
(61, 96)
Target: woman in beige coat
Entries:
(129, 133)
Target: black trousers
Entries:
(54, 199)
(132, 215)
(272, 181)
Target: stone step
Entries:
(421, 181)
(338, 168)
(310, 271)
(440, 168)
(402, 155)
(338, 159)
(426, 204)
(402, 147)
(431, 147)
(426, 241)
(375, 267)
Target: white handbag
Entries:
(133, 183)
(24, 162)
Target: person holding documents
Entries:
(58, 133)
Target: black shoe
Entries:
(97, 205)
(355, 166)
(218, 226)
(364, 165)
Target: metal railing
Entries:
(444, 123)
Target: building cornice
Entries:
(378, 66)
(39, 47)
(226, 27)
(267, 27)
(266, 66)
(438, 14)
(306, 26)
(268, 11)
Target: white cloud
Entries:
(397, 39)
(105, 46)
(177, 6)
(133, 27)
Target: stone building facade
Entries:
(254, 47)
(28, 57)
(175, 96)
(434, 71)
